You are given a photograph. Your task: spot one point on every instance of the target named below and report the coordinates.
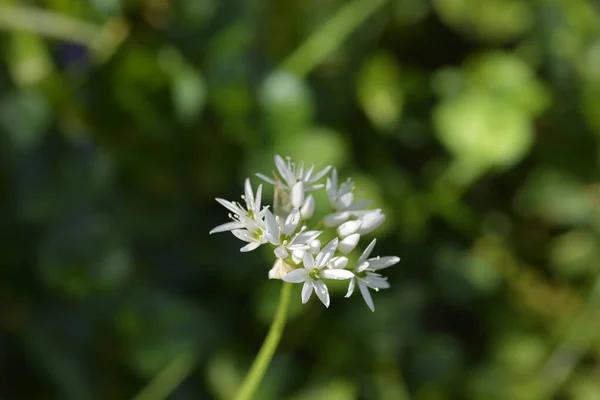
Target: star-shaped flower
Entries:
(366, 277)
(314, 271)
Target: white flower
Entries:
(341, 197)
(348, 228)
(366, 277)
(284, 236)
(241, 216)
(293, 173)
(314, 271)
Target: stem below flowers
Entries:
(265, 354)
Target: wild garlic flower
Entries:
(314, 271)
(366, 277)
(299, 256)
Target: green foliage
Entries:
(474, 125)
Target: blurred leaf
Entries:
(337, 389)
(188, 90)
(24, 115)
(574, 253)
(28, 59)
(287, 103)
(222, 376)
(379, 91)
(497, 20)
(483, 131)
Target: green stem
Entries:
(265, 354)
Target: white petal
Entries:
(364, 290)
(305, 237)
(319, 174)
(227, 227)
(351, 288)
(258, 199)
(365, 254)
(322, 292)
(308, 260)
(336, 218)
(344, 201)
(249, 195)
(296, 276)
(230, 206)
(376, 281)
(331, 191)
(360, 204)
(284, 171)
(338, 262)
(371, 221)
(281, 252)
(308, 173)
(362, 266)
(307, 289)
(297, 256)
(250, 246)
(291, 222)
(382, 262)
(267, 179)
(338, 274)
(297, 194)
(272, 227)
(349, 243)
(243, 234)
(348, 228)
(308, 208)
(326, 253)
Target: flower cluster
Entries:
(300, 255)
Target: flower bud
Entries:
(336, 218)
(338, 262)
(348, 244)
(371, 221)
(297, 256)
(297, 194)
(348, 228)
(308, 208)
(315, 246)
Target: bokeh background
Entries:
(474, 124)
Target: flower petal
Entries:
(267, 179)
(234, 208)
(326, 253)
(376, 281)
(382, 262)
(284, 171)
(291, 222)
(281, 252)
(322, 292)
(250, 246)
(319, 175)
(351, 286)
(365, 254)
(258, 199)
(296, 276)
(364, 290)
(248, 195)
(371, 221)
(243, 234)
(272, 227)
(227, 227)
(337, 274)
(308, 261)
(307, 290)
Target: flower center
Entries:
(314, 274)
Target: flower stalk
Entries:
(265, 354)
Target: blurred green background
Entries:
(474, 124)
